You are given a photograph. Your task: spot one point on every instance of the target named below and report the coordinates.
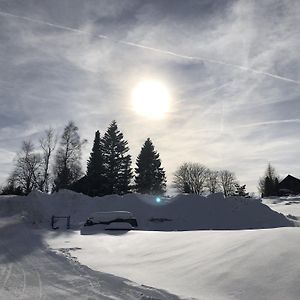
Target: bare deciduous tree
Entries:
(27, 172)
(212, 181)
(48, 144)
(190, 178)
(227, 182)
(67, 167)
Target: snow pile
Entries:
(183, 212)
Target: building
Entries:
(290, 185)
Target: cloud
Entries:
(158, 50)
(232, 68)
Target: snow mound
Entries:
(183, 212)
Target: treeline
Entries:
(56, 164)
(194, 178)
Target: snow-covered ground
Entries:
(285, 205)
(38, 263)
(30, 270)
(243, 264)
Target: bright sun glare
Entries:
(151, 99)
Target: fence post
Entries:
(52, 222)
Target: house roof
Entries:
(290, 178)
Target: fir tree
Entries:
(276, 187)
(269, 184)
(150, 176)
(95, 169)
(268, 187)
(117, 162)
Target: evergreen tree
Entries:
(117, 162)
(276, 187)
(125, 175)
(150, 176)
(95, 169)
(269, 184)
(240, 190)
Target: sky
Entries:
(232, 69)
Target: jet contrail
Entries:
(269, 123)
(161, 51)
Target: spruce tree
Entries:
(268, 188)
(95, 169)
(150, 176)
(269, 184)
(117, 162)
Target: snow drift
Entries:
(183, 212)
(206, 264)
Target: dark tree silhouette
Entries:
(47, 144)
(117, 162)
(150, 176)
(269, 183)
(95, 169)
(227, 182)
(240, 190)
(27, 172)
(67, 167)
(212, 181)
(11, 187)
(190, 178)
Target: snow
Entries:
(237, 264)
(30, 270)
(285, 205)
(183, 212)
(39, 263)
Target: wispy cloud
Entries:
(232, 68)
(161, 51)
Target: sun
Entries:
(151, 99)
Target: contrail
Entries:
(269, 123)
(161, 51)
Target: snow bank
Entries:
(183, 212)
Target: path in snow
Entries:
(28, 270)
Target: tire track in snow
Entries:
(40, 284)
(7, 276)
(3, 270)
(23, 280)
(24, 283)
